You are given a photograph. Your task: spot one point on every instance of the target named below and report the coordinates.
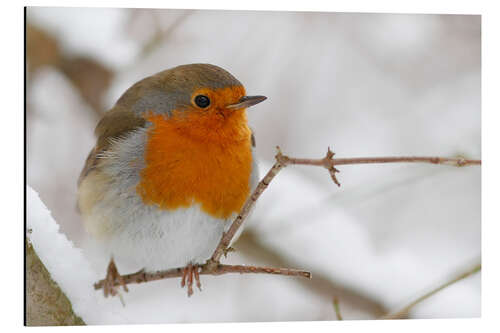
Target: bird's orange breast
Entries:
(197, 159)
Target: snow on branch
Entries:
(68, 268)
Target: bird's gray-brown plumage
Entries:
(159, 93)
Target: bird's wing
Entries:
(115, 123)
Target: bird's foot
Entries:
(113, 280)
(187, 274)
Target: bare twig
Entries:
(337, 308)
(328, 162)
(407, 159)
(263, 184)
(404, 311)
(142, 276)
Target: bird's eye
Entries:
(202, 101)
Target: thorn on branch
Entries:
(227, 250)
(280, 158)
(330, 166)
(329, 154)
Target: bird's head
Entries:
(196, 97)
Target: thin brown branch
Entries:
(142, 276)
(263, 184)
(404, 311)
(329, 163)
(400, 159)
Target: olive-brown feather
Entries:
(116, 123)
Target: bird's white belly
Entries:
(160, 239)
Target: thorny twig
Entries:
(213, 266)
(329, 163)
(143, 276)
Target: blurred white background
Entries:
(365, 84)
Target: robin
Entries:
(172, 166)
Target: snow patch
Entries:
(65, 263)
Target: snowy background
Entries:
(365, 84)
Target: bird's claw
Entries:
(113, 280)
(188, 273)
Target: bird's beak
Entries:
(246, 101)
